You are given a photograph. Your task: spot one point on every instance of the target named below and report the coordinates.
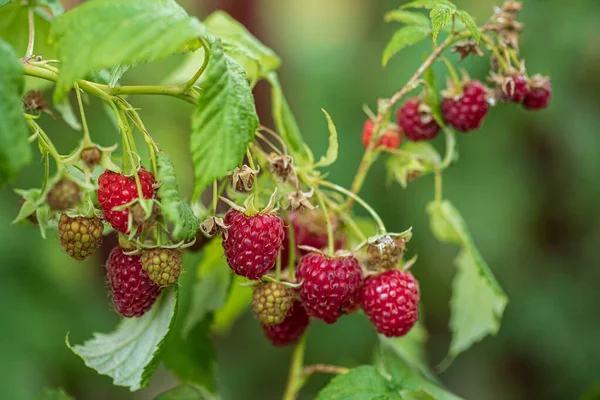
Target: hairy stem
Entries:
(330, 238)
(87, 141)
(295, 378)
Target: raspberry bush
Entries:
(275, 234)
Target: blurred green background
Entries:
(526, 184)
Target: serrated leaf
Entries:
(131, 353)
(14, 29)
(224, 122)
(14, 147)
(478, 301)
(410, 348)
(210, 290)
(176, 211)
(332, 150)
(440, 16)
(417, 159)
(285, 122)
(65, 110)
(407, 17)
(362, 383)
(429, 4)
(466, 18)
(33, 199)
(238, 42)
(238, 301)
(54, 394)
(186, 391)
(476, 305)
(405, 36)
(116, 73)
(132, 31)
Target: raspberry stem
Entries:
(190, 83)
(295, 378)
(87, 141)
(330, 238)
(31, 40)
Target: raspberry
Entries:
(163, 266)
(252, 243)
(91, 156)
(310, 229)
(114, 190)
(271, 302)
(416, 122)
(292, 327)
(390, 138)
(385, 252)
(467, 112)
(329, 284)
(132, 291)
(80, 236)
(516, 88)
(63, 195)
(539, 95)
(391, 301)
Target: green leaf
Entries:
(362, 383)
(429, 4)
(131, 353)
(440, 16)
(14, 29)
(416, 160)
(478, 301)
(407, 17)
(416, 395)
(432, 96)
(132, 31)
(186, 391)
(5, 2)
(466, 18)
(210, 290)
(54, 394)
(176, 212)
(33, 199)
(65, 110)
(405, 36)
(238, 301)
(14, 147)
(332, 151)
(240, 44)
(54, 6)
(224, 122)
(285, 122)
(410, 348)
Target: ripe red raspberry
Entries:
(329, 284)
(132, 291)
(467, 112)
(271, 302)
(539, 95)
(391, 301)
(252, 243)
(80, 236)
(163, 266)
(516, 88)
(390, 138)
(63, 195)
(292, 327)
(115, 190)
(416, 122)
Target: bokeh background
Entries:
(526, 184)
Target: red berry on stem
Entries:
(292, 327)
(252, 243)
(416, 124)
(390, 138)
(467, 112)
(132, 291)
(329, 284)
(539, 96)
(517, 88)
(391, 300)
(114, 190)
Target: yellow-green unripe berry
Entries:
(163, 266)
(271, 302)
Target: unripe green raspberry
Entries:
(64, 194)
(80, 236)
(271, 302)
(385, 252)
(163, 266)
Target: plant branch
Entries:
(325, 369)
(295, 378)
(187, 85)
(87, 141)
(31, 41)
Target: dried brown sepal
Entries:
(34, 101)
(465, 48)
(139, 215)
(281, 165)
(213, 225)
(298, 201)
(504, 22)
(243, 178)
(91, 156)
